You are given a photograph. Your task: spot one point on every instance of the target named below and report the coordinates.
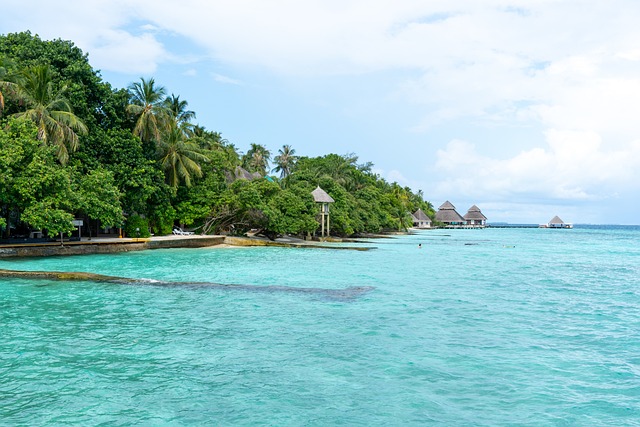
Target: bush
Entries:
(136, 226)
(162, 221)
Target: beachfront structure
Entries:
(475, 218)
(321, 197)
(448, 215)
(420, 219)
(556, 222)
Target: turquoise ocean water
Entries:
(495, 327)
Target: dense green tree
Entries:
(194, 204)
(45, 215)
(138, 179)
(8, 78)
(91, 98)
(49, 110)
(99, 198)
(35, 189)
(18, 144)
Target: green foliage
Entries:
(32, 182)
(292, 212)
(137, 155)
(257, 159)
(49, 110)
(92, 99)
(136, 226)
(99, 198)
(178, 156)
(42, 215)
(147, 104)
(162, 220)
(285, 161)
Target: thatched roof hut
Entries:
(556, 222)
(447, 214)
(420, 219)
(475, 216)
(241, 173)
(321, 196)
(420, 215)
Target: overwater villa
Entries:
(556, 222)
(475, 217)
(420, 219)
(448, 215)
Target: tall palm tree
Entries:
(178, 109)
(147, 103)
(257, 159)
(178, 156)
(208, 140)
(285, 159)
(50, 111)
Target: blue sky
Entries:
(528, 109)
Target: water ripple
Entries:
(541, 334)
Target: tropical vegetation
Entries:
(73, 146)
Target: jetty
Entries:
(512, 226)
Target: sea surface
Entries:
(494, 327)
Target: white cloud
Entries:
(568, 69)
(122, 52)
(397, 176)
(573, 166)
(224, 79)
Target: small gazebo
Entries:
(320, 196)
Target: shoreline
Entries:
(106, 245)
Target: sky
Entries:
(527, 109)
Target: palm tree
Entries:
(147, 102)
(257, 159)
(178, 156)
(178, 109)
(285, 159)
(50, 111)
(208, 140)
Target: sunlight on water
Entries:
(479, 327)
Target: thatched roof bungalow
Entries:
(475, 218)
(556, 222)
(241, 173)
(448, 215)
(420, 219)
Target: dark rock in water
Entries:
(346, 295)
